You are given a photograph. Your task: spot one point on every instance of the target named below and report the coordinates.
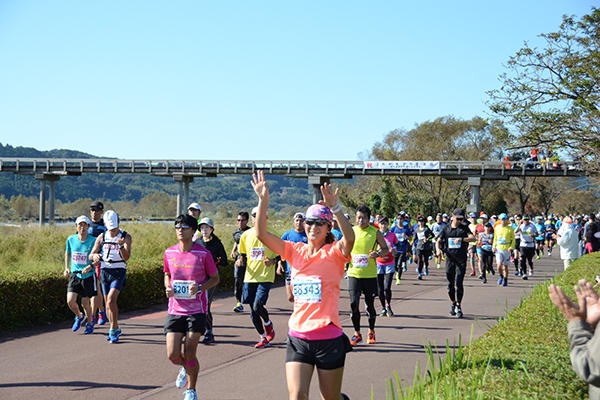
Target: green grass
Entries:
(35, 249)
(524, 356)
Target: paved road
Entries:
(53, 362)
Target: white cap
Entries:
(430, 218)
(299, 215)
(111, 220)
(195, 206)
(254, 211)
(83, 218)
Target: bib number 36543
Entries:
(307, 289)
(182, 289)
(360, 260)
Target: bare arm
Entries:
(67, 271)
(95, 256)
(382, 245)
(273, 242)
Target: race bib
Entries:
(307, 289)
(79, 257)
(526, 237)
(360, 260)
(486, 247)
(257, 254)
(501, 240)
(454, 243)
(421, 235)
(400, 237)
(182, 289)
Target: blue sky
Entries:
(241, 80)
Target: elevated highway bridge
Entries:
(49, 170)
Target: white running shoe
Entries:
(181, 378)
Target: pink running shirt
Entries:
(194, 265)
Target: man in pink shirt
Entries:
(189, 272)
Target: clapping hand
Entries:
(592, 302)
(570, 310)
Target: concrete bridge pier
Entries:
(43, 178)
(475, 203)
(317, 181)
(183, 192)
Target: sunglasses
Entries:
(313, 221)
(182, 226)
(254, 215)
(240, 220)
(95, 209)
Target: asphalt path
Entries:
(54, 362)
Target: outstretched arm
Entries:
(273, 242)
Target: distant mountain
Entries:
(222, 191)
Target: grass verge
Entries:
(524, 356)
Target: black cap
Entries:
(98, 204)
(459, 213)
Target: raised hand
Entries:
(330, 198)
(570, 310)
(260, 185)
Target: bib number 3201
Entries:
(182, 289)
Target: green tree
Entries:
(550, 96)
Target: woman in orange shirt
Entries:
(315, 336)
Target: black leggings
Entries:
(399, 258)
(423, 259)
(526, 258)
(209, 318)
(258, 311)
(368, 286)
(487, 262)
(455, 270)
(384, 287)
(238, 277)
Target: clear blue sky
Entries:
(246, 80)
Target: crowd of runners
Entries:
(320, 251)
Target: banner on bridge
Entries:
(402, 164)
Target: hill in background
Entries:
(232, 192)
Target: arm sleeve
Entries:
(585, 351)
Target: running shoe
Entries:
(430, 257)
(371, 339)
(459, 313)
(525, 277)
(537, 257)
(182, 378)
(78, 322)
(102, 317)
(404, 268)
(420, 277)
(208, 338)
(500, 280)
(383, 313)
(480, 277)
(444, 257)
(410, 260)
(452, 309)
(238, 308)
(270, 331)
(113, 335)
(398, 281)
(549, 254)
(472, 273)
(426, 271)
(438, 266)
(531, 273)
(356, 339)
(190, 394)
(505, 283)
(93, 320)
(89, 328)
(344, 397)
(492, 271)
(390, 313)
(417, 270)
(262, 343)
(484, 281)
(518, 273)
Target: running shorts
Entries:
(324, 354)
(185, 323)
(502, 257)
(112, 278)
(86, 287)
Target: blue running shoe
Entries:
(77, 323)
(426, 271)
(89, 328)
(505, 283)
(113, 335)
(500, 280)
(101, 317)
(190, 394)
